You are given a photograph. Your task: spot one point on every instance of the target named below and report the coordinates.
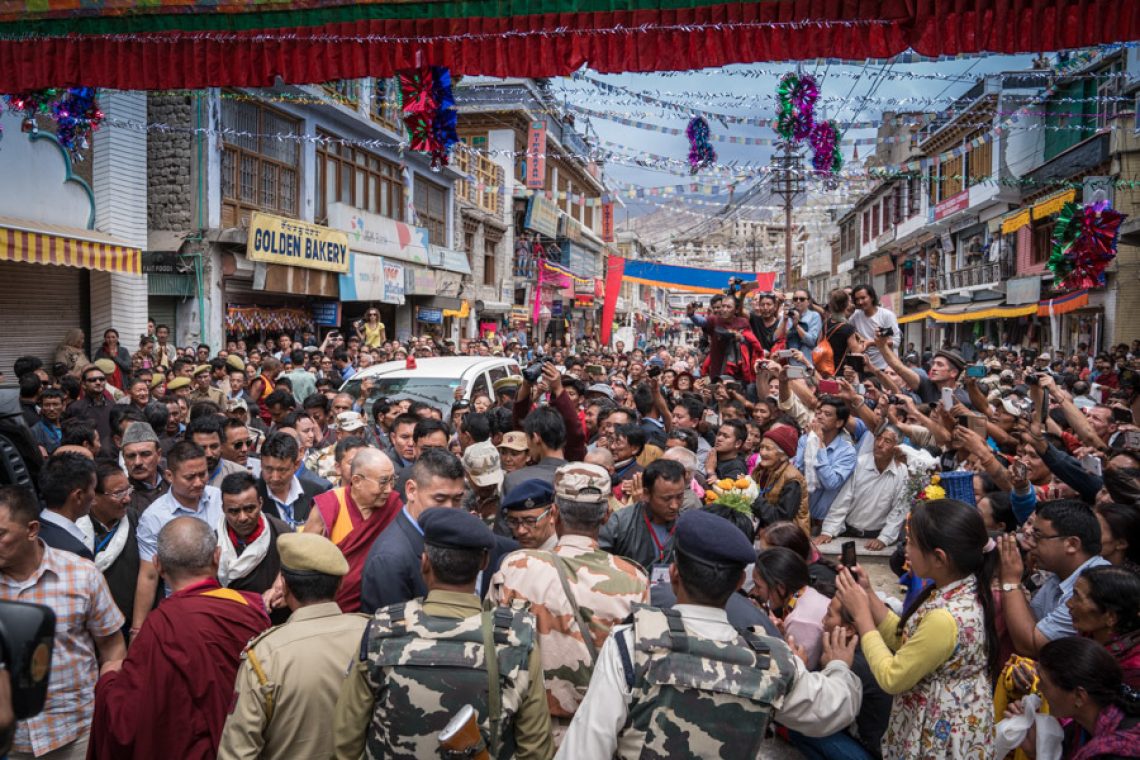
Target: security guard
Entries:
(527, 512)
(421, 662)
(203, 390)
(665, 684)
(288, 683)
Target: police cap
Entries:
(311, 553)
(451, 528)
(530, 494)
(712, 539)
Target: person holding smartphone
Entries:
(370, 330)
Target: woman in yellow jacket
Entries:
(940, 658)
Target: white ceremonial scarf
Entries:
(231, 565)
(114, 548)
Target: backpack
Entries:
(823, 357)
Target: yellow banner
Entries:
(1053, 204)
(1015, 222)
(277, 240)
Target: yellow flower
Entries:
(710, 496)
(934, 492)
(725, 483)
(742, 483)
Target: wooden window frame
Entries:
(1042, 241)
(489, 275)
(436, 224)
(371, 166)
(235, 207)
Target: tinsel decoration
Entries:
(1084, 243)
(701, 152)
(827, 158)
(75, 112)
(796, 96)
(428, 109)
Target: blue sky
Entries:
(743, 91)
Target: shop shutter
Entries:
(164, 311)
(39, 303)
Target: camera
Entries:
(1031, 378)
(885, 332)
(533, 372)
(654, 371)
(27, 634)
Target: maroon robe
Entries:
(353, 535)
(171, 697)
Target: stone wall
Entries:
(170, 157)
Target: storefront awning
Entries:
(970, 312)
(1053, 204)
(1078, 299)
(493, 307)
(36, 243)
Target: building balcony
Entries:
(972, 276)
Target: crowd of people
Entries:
(626, 553)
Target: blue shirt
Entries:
(813, 326)
(165, 508)
(833, 466)
(1049, 603)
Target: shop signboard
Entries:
(571, 229)
(520, 315)
(1023, 290)
(952, 205)
(448, 284)
(420, 281)
(556, 308)
(371, 233)
(429, 316)
(578, 260)
(372, 278)
(326, 313)
(278, 240)
(452, 261)
(541, 216)
(608, 221)
(536, 156)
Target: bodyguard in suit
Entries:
(392, 570)
(67, 484)
(283, 494)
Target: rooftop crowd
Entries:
(638, 551)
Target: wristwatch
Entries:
(1010, 586)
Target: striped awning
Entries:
(970, 312)
(1053, 204)
(35, 243)
(1051, 307)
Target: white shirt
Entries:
(55, 518)
(870, 500)
(869, 327)
(816, 704)
(165, 508)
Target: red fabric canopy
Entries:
(163, 44)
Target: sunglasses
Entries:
(99, 379)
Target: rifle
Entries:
(461, 739)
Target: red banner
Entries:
(536, 156)
(608, 222)
(615, 268)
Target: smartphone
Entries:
(828, 387)
(857, 362)
(1122, 415)
(947, 398)
(847, 554)
(785, 354)
(1130, 439)
(797, 373)
(712, 417)
(977, 424)
(1019, 470)
(1091, 465)
(886, 332)
(975, 370)
(595, 369)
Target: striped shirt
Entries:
(85, 610)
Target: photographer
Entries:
(733, 348)
(548, 379)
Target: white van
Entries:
(434, 379)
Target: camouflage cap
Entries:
(579, 481)
(483, 465)
(514, 440)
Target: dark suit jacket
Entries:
(58, 538)
(301, 506)
(392, 569)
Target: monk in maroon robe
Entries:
(171, 694)
(353, 516)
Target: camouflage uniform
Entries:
(323, 462)
(421, 661)
(605, 587)
(688, 684)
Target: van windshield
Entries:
(437, 391)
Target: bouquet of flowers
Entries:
(922, 475)
(735, 494)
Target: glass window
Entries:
(360, 179)
(259, 172)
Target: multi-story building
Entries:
(554, 231)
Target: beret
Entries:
(712, 539)
(106, 366)
(235, 362)
(311, 553)
(178, 382)
(452, 528)
(530, 494)
(200, 369)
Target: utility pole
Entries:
(789, 182)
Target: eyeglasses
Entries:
(798, 298)
(526, 522)
(382, 482)
(100, 379)
(1036, 535)
(122, 493)
(243, 444)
